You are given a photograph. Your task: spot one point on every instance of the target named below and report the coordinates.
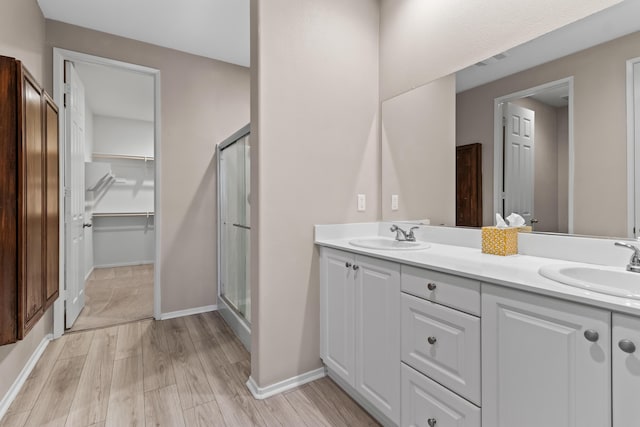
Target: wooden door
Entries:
(545, 362)
(377, 325)
(626, 370)
(469, 185)
(519, 161)
(52, 211)
(337, 313)
(30, 202)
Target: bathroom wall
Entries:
(600, 144)
(22, 37)
(203, 102)
(315, 146)
(421, 41)
(563, 169)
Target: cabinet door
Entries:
(31, 204)
(378, 334)
(538, 367)
(52, 242)
(626, 370)
(337, 314)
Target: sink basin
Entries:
(388, 244)
(604, 280)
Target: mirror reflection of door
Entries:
(469, 185)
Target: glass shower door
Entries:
(235, 227)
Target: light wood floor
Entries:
(189, 371)
(116, 295)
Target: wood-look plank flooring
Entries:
(189, 371)
(116, 295)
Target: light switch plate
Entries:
(394, 202)
(362, 202)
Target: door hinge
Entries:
(503, 195)
(67, 88)
(504, 121)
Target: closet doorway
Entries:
(108, 133)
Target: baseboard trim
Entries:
(24, 374)
(282, 386)
(86, 277)
(188, 312)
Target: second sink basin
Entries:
(385, 243)
(605, 280)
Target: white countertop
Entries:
(516, 271)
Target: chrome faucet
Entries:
(402, 235)
(634, 263)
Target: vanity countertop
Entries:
(515, 271)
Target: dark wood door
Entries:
(52, 208)
(31, 202)
(469, 185)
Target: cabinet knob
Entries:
(347, 264)
(627, 346)
(432, 340)
(356, 267)
(591, 335)
(431, 286)
(432, 422)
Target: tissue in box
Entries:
(499, 241)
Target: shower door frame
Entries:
(235, 320)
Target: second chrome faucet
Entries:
(402, 235)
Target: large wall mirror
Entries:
(547, 129)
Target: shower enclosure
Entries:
(234, 228)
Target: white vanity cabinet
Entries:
(626, 370)
(545, 362)
(360, 326)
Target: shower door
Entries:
(234, 229)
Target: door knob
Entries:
(591, 335)
(627, 346)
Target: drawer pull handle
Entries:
(627, 346)
(431, 286)
(591, 335)
(432, 422)
(356, 267)
(432, 340)
(347, 264)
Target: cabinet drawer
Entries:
(452, 291)
(626, 370)
(424, 401)
(442, 343)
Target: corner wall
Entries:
(203, 101)
(315, 146)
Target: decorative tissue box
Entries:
(499, 241)
(525, 229)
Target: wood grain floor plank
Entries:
(206, 415)
(332, 399)
(189, 374)
(306, 408)
(129, 341)
(76, 345)
(92, 395)
(15, 419)
(277, 411)
(158, 369)
(198, 327)
(126, 397)
(54, 402)
(162, 407)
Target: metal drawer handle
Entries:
(347, 264)
(431, 286)
(627, 346)
(591, 335)
(356, 267)
(432, 340)
(432, 422)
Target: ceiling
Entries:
(598, 28)
(217, 29)
(115, 92)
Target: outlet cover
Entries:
(394, 202)
(362, 202)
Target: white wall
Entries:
(115, 135)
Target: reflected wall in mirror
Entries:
(581, 166)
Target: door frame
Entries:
(633, 155)
(237, 323)
(59, 56)
(497, 141)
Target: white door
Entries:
(337, 314)
(519, 161)
(377, 325)
(545, 362)
(636, 121)
(74, 194)
(626, 370)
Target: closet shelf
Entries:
(116, 214)
(97, 175)
(122, 157)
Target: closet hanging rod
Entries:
(122, 156)
(105, 214)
